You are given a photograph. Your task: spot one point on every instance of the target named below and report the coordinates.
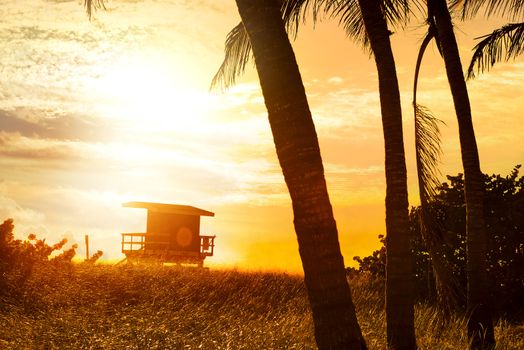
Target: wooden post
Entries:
(87, 247)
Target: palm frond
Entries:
(503, 44)
(93, 5)
(396, 12)
(237, 53)
(350, 19)
(417, 8)
(428, 149)
(513, 9)
(294, 12)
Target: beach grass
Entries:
(81, 306)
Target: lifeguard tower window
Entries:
(172, 235)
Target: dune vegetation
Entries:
(85, 306)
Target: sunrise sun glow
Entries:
(152, 96)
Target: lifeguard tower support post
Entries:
(172, 235)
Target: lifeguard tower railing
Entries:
(135, 243)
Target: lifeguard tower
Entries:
(172, 235)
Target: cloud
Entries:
(9, 208)
(12, 124)
(340, 109)
(14, 145)
(26, 219)
(335, 80)
(52, 125)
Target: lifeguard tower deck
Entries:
(172, 235)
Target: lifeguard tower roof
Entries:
(169, 208)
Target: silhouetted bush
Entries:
(19, 257)
(374, 264)
(94, 258)
(504, 217)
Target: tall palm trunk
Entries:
(480, 324)
(428, 150)
(399, 279)
(298, 152)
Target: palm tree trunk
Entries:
(399, 279)
(480, 324)
(296, 143)
(449, 296)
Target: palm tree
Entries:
(296, 143)
(480, 324)
(399, 281)
(365, 20)
(428, 151)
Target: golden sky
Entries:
(94, 114)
